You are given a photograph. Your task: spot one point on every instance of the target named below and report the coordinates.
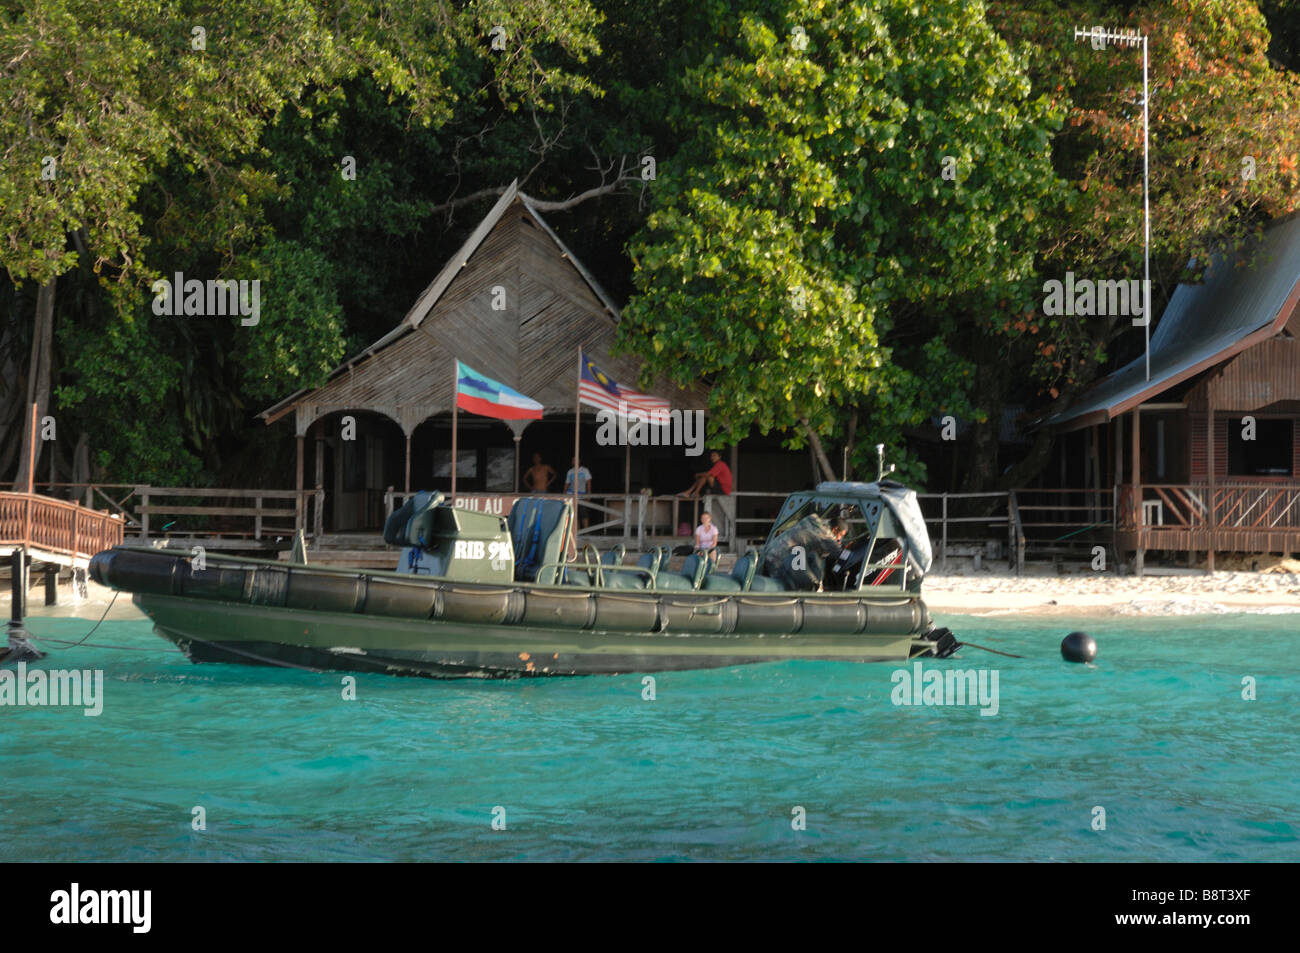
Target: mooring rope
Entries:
(96, 645)
(983, 648)
(107, 610)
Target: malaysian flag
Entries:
(599, 390)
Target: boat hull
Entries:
(229, 632)
(258, 612)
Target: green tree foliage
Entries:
(806, 227)
(801, 248)
(154, 115)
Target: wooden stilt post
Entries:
(737, 543)
(1210, 467)
(1118, 426)
(299, 503)
(406, 480)
(1117, 467)
(318, 517)
(1094, 453)
(20, 649)
(1139, 555)
(518, 437)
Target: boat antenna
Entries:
(881, 469)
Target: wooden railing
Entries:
(1033, 522)
(56, 527)
(220, 513)
(1241, 517)
(203, 512)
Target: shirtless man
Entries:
(539, 477)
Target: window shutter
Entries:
(1221, 430)
(1198, 446)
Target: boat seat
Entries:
(761, 583)
(617, 576)
(641, 576)
(585, 572)
(738, 580)
(538, 530)
(577, 574)
(666, 578)
(412, 520)
(746, 567)
(694, 570)
(721, 582)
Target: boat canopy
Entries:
(890, 509)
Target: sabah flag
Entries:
(488, 398)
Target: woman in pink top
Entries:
(706, 538)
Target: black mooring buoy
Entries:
(1078, 647)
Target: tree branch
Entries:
(620, 180)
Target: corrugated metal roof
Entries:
(1243, 300)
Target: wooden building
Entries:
(515, 304)
(1206, 451)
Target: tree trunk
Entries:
(848, 445)
(819, 452)
(81, 467)
(38, 377)
(11, 406)
(981, 458)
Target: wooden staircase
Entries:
(351, 550)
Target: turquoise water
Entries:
(1157, 733)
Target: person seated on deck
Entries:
(716, 478)
(706, 538)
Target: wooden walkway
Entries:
(55, 531)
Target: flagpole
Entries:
(455, 420)
(577, 420)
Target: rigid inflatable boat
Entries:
(476, 594)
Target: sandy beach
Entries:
(1047, 591)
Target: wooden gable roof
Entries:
(553, 307)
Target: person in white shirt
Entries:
(584, 483)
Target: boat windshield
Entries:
(884, 539)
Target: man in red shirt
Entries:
(717, 478)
